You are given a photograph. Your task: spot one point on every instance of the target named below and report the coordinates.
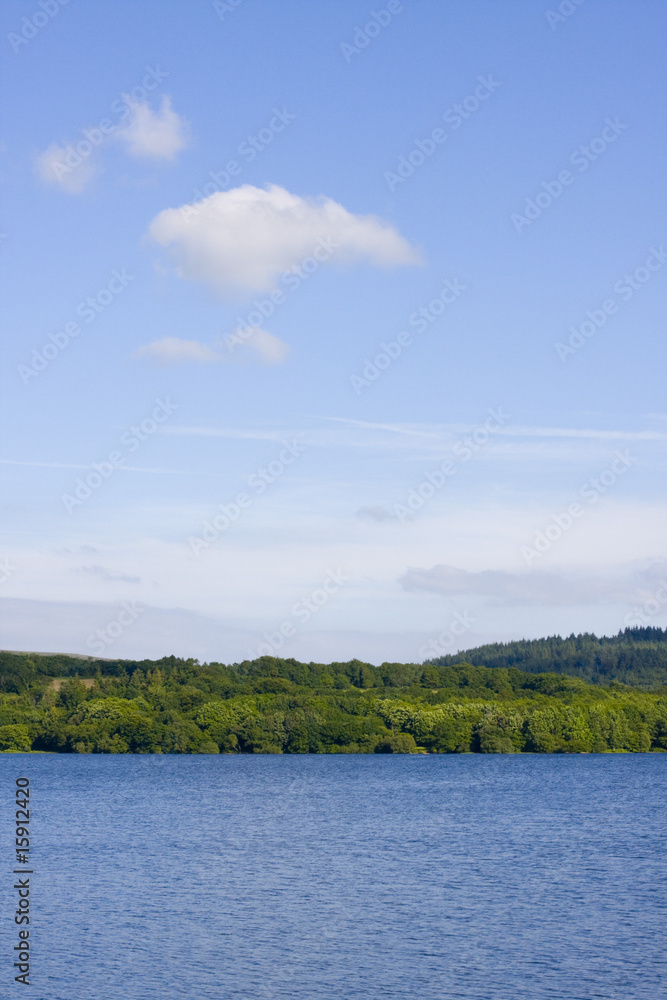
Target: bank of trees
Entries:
(274, 705)
(636, 656)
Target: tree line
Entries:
(635, 656)
(275, 705)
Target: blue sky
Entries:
(379, 288)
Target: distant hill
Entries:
(636, 656)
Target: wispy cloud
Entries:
(416, 443)
(73, 465)
(530, 588)
(108, 575)
(235, 433)
(413, 430)
(63, 167)
(594, 433)
(377, 513)
(260, 344)
(509, 430)
(173, 350)
(72, 166)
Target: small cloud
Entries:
(158, 135)
(65, 168)
(375, 514)
(241, 241)
(173, 351)
(108, 575)
(530, 587)
(72, 166)
(269, 350)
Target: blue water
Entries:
(337, 877)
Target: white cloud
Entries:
(146, 133)
(155, 134)
(64, 167)
(241, 241)
(269, 350)
(173, 350)
(533, 587)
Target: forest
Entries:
(68, 704)
(636, 656)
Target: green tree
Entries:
(15, 738)
(397, 743)
(71, 693)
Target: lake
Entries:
(426, 877)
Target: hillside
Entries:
(58, 703)
(637, 656)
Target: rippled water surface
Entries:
(337, 877)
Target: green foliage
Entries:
(397, 743)
(15, 738)
(274, 705)
(71, 693)
(636, 656)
